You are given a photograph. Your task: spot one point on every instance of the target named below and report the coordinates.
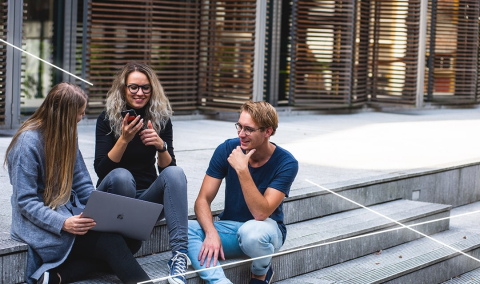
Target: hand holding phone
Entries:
(131, 114)
(133, 125)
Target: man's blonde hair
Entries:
(262, 113)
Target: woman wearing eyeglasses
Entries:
(125, 151)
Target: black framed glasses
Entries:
(133, 88)
(247, 130)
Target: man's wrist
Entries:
(211, 232)
(242, 171)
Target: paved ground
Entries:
(332, 150)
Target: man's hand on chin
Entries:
(238, 160)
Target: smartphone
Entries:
(131, 112)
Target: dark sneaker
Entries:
(268, 278)
(178, 266)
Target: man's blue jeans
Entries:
(250, 239)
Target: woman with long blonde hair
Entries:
(49, 178)
(134, 140)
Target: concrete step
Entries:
(419, 261)
(304, 204)
(301, 207)
(325, 230)
(13, 257)
(308, 205)
(470, 277)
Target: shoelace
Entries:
(179, 264)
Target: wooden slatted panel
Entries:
(268, 38)
(360, 48)
(393, 54)
(227, 44)
(324, 39)
(118, 33)
(80, 45)
(429, 55)
(3, 58)
(455, 53)
(477, 97)
(163, 34)
(175, 44)
(467, 51)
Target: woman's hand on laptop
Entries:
(78, 225)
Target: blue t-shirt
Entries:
(278, 172)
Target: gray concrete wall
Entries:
(457, 185)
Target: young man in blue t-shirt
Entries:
(258, 175)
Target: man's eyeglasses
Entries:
(247, 130)
(133, 88)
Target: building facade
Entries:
(214, 55)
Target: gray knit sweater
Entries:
(32, 222)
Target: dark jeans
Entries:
(169, 189)
(102, 252)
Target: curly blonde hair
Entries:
(158, 108)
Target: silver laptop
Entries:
(127, 216)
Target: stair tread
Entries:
(466, 278)
(337, 223)
(393, 262)
(9, 245)
(354, 222)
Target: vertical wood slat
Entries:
(477, 93)
(360, 68)
(455, 55)
(3, 59)
(272, 50)
(323, 57)
(80, 44)
(393, 52)
(227, 37)
(163, 34)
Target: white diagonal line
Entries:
(395, 221)
(36, 57)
